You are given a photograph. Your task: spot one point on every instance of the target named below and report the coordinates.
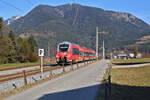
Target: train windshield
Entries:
(63, 47)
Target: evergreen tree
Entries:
(26, 48)
(19, 45)
(12, 35)
(32, 43)
(20, 52)
(19, 41)
(14, 48)
(7, 49)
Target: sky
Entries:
(139, 8)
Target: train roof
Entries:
(81, 47)
(65, 42)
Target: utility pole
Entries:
(97, 32)
(96, 42)
(103, 50)
(48, 47)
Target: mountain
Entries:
(77, 23)
(12, 19)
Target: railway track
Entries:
(20, 74)
(16, 75)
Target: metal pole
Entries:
(97, 42)
(48, 49)
(103, 50)
(42, 67)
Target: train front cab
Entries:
(65, 53)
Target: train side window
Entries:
(75, 51)
(78, 52)
(85, 54)
(81, 54)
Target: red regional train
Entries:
(69, 52)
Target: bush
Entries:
(11, 60)
(3, 60)
(33, 57)
(22, 59)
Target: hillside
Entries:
(77, 23)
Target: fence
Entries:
(108, 83)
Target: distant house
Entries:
(131, 55)
(146, 55)
(122, 56)
(139, 55)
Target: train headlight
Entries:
(69, 55)
(57, 56)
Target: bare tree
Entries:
(1, 25)
(135, 51)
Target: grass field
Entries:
(18, 65)
(129, 84)
(130, 61)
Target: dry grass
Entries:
(130, 61)
(132, 76)
(19, 65)
(129, 84)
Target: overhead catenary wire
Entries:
(29, 2)
(11, 5)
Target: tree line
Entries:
(13, 49)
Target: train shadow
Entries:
(125, 92)
(97, 92)
(85, 93)
(130, 63)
